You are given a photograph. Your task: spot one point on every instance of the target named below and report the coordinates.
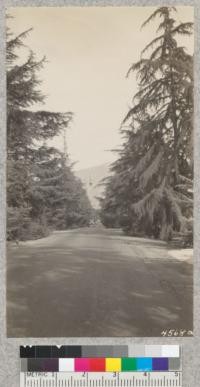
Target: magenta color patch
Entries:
(82, 365)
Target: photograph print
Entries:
(100, 171)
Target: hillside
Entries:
(91, 177)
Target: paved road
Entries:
(96, 282)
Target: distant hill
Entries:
(91, 177)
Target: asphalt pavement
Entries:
(96, 282)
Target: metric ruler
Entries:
(101, 379)
(101, 366)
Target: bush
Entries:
(34, 231)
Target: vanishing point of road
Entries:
(96, 282)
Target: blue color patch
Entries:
(144, 364)
(160, 364)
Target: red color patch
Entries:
(97, 365)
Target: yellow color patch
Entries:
(113, 364)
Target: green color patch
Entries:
(129, 364)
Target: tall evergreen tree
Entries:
(58, 197)
(40, 182)
(155, 163)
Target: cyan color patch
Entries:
(144, 364)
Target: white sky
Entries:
(89, 51)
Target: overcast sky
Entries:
(89, 51)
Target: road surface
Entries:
(96, 282)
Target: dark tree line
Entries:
(150, 189)
(42, 190)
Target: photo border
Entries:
(9, 348)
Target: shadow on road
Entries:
(96, 283)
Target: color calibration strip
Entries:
(100, 364)
(103, 366)
(101, 351)
(73, 351)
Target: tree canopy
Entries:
(150, 187)
(42, 190)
